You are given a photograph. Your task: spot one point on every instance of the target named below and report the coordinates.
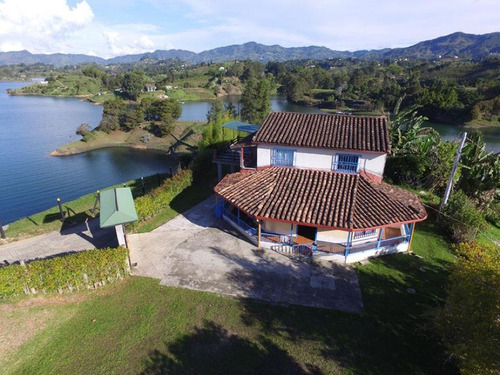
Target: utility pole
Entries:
(453, 170)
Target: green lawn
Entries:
(138, 326)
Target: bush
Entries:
(461, 219)
(152, 203)
(86, 269)
(468, 322)
(404, 170)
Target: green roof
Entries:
(241, 126)
(117, 207)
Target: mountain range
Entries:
(456, 44)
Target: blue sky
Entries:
(110, 28)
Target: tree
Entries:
(112, 110)
(133, 84)
(480, 171)
(165, 112)
(83, 129)
(256, 101)
(469, 320)
(461, 219)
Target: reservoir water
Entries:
(31, 180)
(32, 127)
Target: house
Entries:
(312, 184)
(149, 88)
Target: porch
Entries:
(357, 246)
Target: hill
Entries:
(457, 44)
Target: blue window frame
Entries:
(346, 163)
(282, 157)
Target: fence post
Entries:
(60, 208)
(2, 232)
(143, 188)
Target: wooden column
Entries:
(258, 233)
(411, 235)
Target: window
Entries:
(365, 233)
(346, 163)
(282, 157)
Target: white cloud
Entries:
(136, 26)
(126, 44)
(40, 26)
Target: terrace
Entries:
(388, 240)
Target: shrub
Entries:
(469, 321)
(461, 219)
(152, 203)
(86, 269)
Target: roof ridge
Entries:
(352, 207)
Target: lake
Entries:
(31, 180)
(32, 127)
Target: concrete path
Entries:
(84, 236)
(196, 251)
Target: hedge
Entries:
(83, 270)
(149, 205)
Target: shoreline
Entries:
(59, 153)
(184, 137)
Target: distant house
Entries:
(312, 184)
(149, 88)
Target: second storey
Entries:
(346, 161)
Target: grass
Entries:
(139, 326)
(190, 197)
(191, 94)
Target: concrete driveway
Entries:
(197, 251)
(84, 236)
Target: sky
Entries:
(109, 28)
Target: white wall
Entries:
(278, 227)
(322, 159)
(334, 236)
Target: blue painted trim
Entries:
(238, 217)
(348, 244)
(291, 234)
(380, 238)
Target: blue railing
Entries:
(243, 225)
(377, 244)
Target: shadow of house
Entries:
(213, 350)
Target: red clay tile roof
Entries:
(363, 133)
(319, 198)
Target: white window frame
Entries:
(286, 157)
(350, 164)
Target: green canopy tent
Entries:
(117, 208)
(241, 126)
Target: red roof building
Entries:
(315, 187)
